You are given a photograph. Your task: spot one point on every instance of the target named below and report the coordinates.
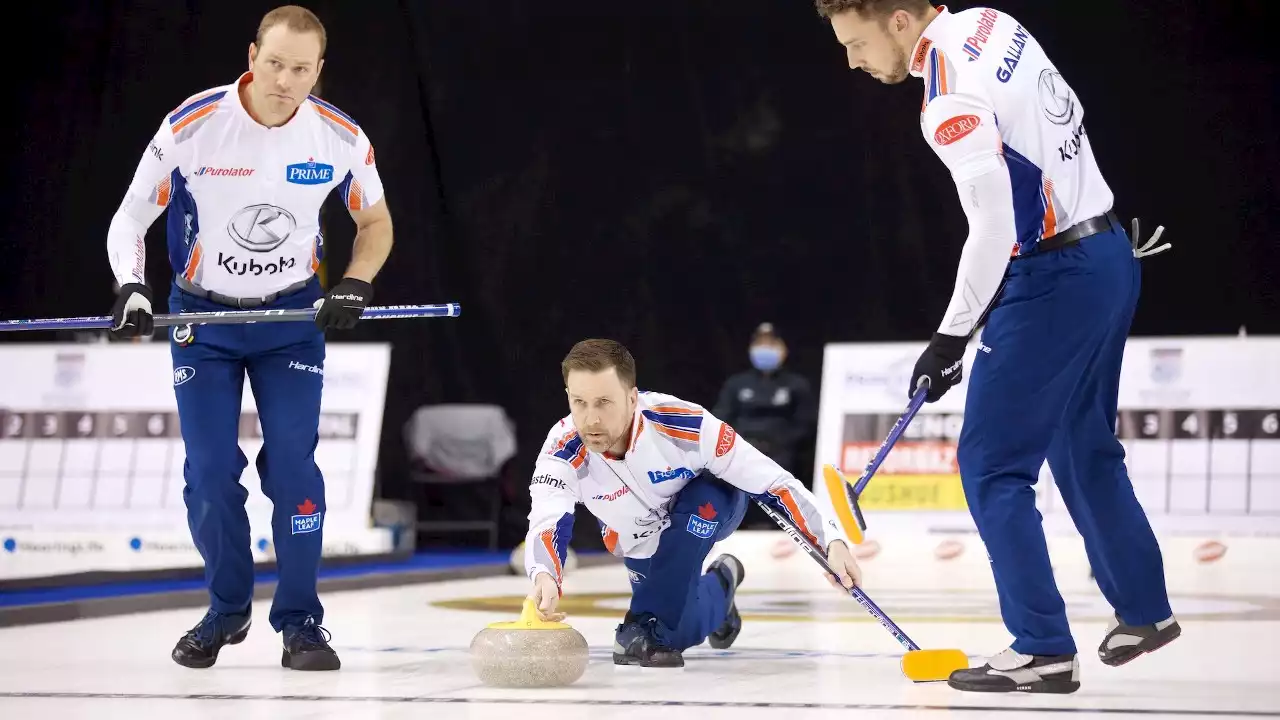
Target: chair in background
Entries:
(457, 456)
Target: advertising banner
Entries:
(1199, 420)
(91, 458)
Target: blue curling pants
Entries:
(1044, 385)
(670, 585)
(284, 363)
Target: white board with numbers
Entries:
(1199, 420)
(91, 457)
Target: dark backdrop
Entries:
(668, 173)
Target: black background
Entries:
(668, 173)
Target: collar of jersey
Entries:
(926, 39)
(244, 111)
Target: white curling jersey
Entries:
(672, 441)
(982, 70)
(244, 199)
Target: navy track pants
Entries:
(670, 585)
(284, 363)
(1044, 385)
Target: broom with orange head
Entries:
(839, 486)
(918, 665)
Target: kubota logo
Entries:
(956, 128)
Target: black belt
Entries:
(1076, 233)
(242, 303)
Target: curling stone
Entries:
(529, 652)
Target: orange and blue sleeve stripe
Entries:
(551, 546)
(799, 511)
(185, 120)
(571, 450)
(340, 122)
(1049, 227)
(682, 424)
(939, 80)
(352, 193)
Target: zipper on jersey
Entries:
(643, 501)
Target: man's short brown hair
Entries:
(596, 355)
(297, 19)
(872, 8)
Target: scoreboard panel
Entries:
(1181, 461)
(115, 459)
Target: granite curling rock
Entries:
(529, 653)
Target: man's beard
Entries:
(604, 441)
(898, 72)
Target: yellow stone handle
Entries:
(529, 614)
(529, 620)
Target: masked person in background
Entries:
(773, 408)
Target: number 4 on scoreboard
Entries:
(1199, 424)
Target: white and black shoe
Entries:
(1014, 672)
(730, 572)
(1126, 642)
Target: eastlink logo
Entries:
(551, 480)
(309, 173)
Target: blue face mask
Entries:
(766, 358)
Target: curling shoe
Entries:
(1014, 672)
(730, 572)
(1126, 642)
(306, 647)
(639, 641)
(199, 647)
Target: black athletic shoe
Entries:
(637, 643)
(730, 571)
(306, 647)
(1014, 672)
(1126, 642)
(199, 647)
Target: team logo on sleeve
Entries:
(724, 443)
(956, 128)
(368, 158)
(550, 480)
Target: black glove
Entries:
(943, 363)
(131, 316)
(341, 308)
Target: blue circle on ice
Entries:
(136, 543)
(10, 544)
(262, 544)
